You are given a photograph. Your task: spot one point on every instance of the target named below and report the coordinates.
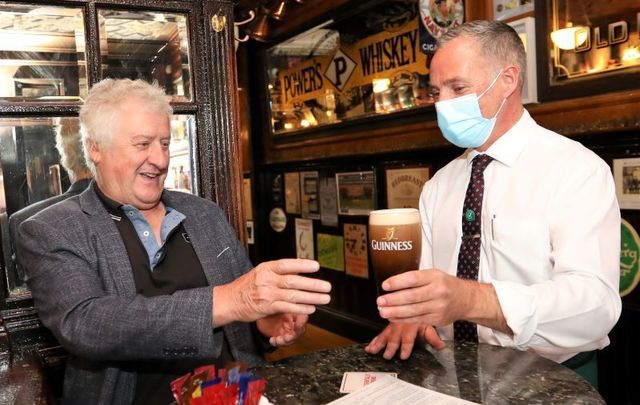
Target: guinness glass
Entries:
(395, 242)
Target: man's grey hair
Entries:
(99, 114)
(69, 146)
(498, 43)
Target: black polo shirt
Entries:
(178, 268)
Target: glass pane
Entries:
(181, 168)
(369, 64)
(42, 53)
(152, 46)
(591, 37)
(30, 171)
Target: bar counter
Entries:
(475, 372)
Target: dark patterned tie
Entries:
(469, 256)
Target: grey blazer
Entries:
(83, 288)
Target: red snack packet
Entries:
(193, 386)
(210, 371)
(255, 390)
(230, 394)
(178, 387)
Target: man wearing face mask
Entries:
(521, 233)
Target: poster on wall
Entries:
(292, 193)
(355, 250)
(304, 239)
(626, 174)
(405, 185)
(437, 17)
(328, 202)
(331, 251)
(309, 202)
(356, 193)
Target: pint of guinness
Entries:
(395, 242)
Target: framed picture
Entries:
(505, 9)
(404, 186)
(526, 29)
(356, 193)
(626, 174)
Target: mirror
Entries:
(152, 46)
(42, 53)
(31, 172)
(369, 64)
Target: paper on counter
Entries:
(353, 381)
(388, 390)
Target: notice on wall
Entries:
(331, 251)
(304, 239)
(404, 186)
(355, 250)
(310, 188)
(328, 202)
(292, 192)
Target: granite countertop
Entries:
(476, 372)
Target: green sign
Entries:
(629, 252)
(331, 251)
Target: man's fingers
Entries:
(303, 283)
(432, 338)
(301, 297)
(404, 280)
(292, 266)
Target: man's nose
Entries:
(158, 155)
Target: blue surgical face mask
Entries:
(461, 120)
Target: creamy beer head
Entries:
(395, 242)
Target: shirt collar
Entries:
(114, 207)
(507, 148)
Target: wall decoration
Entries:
(405, 185)
(292, 193)
(250, 233)
(629, 252)
(356, 193)
(505, 9)
(437, 17)
(277, 219)
(331, 251)
(309, 202)
(328, 202)
(626, 174)
(526, 29)
(587, 47)
(304, 239)
(356, 251)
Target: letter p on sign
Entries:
(340, 69)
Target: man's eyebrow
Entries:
(449, 82)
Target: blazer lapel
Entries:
(114, 251)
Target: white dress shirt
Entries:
(550, 239)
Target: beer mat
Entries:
(354, 380)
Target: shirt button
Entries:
(145, 233)
(158, 255)
(130, 213)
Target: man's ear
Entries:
(510, 78)
(94, 151)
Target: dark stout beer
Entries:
(394, 242)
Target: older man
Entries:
(521, 234)
(141, 284)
